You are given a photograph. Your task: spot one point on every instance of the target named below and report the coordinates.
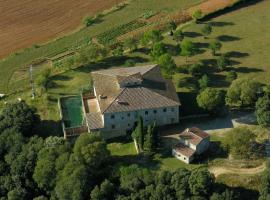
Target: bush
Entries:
(231, 76)
(130, 63)
(88, 21)
(239, 142)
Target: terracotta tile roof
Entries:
(153, 92)
(184, 150)
(94, 121)
(193, 135)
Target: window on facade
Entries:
(128, 125)
(184, 158)
(113, 126)
(146, 112)
(172, 120)
(112, 116)
(172, 109)
(155, 111)
(128, 114)
(123, 118)
(165, 110)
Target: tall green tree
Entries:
(206, 30)
(151, 37)
(187, 48)
(167, 64)
(203, 82)
(44, 80)
(178, 36)
(263, 111)
(150, 144)
(215, 46)
(222, 62)
(158, 50)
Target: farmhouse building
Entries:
(120, 96)
(191, 141)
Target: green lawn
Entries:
(126, 14)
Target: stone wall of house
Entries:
(182, 157)
(203, 145)
(127, 120)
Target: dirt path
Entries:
(230, 170)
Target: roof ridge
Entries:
(113, 75)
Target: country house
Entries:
(122, 95)
(192, 141)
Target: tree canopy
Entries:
(18, 116)
(211, 99)
(242, 92)
(263, 111)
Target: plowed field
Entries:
(27, 22)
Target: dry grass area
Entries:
(27, 22)
(211, 6)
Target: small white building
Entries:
(123, 95)
(191, 141)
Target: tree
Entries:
(263, 111)
(196, 15)
(265, 185)
(207, 30)
(150, 138)
(211, 99)
(91, 54)
(118, 51)
(130, 44)
(179, 183)
(187, 48)
(200, 182)
(178, 36)
(139, 133)
(172, 26)
(167, 64)
(44, 79)
(105, 191)
(18, 116)
(195, 69)
(88, 21)
(231, 76)
(222, 62)
(151, 37)
(242, 93)
(239, 142)
(215, 46)
(203, 82)
(226, 195)
(158, 50)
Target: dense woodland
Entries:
(32, 167)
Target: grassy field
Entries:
(243, 38)
(126, 14)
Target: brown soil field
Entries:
(27, 22)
